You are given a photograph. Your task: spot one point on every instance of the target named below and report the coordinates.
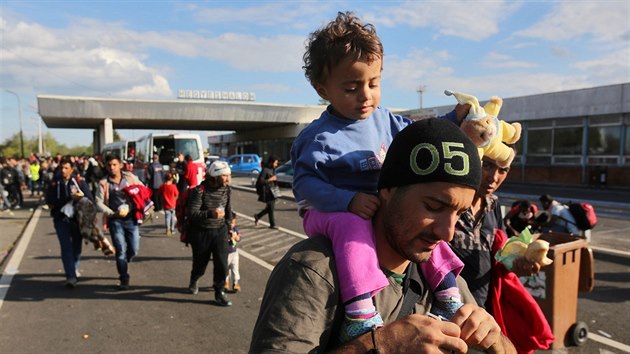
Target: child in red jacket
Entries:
(168, 192)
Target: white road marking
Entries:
(13, 266)
(610, 342)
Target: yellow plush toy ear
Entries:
(493, 107)
(476, 111)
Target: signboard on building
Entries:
(215, 95)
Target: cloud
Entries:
(285, 14)
(498, 60)
(608, 69)
(79, 60)
(91, 57)
(458, 18)
(603, 21)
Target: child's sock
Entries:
(361, 317)
(447, 298)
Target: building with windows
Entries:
(577, 137)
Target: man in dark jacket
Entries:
(210, 213)
(11, 182)
(155, 178)
(63, 192)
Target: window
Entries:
(188, 147)
(604, 140)
(539, 141)
(567, 141)
(626, 149)
(538, 160)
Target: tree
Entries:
(11, 146)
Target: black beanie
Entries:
(431, 150)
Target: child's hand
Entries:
(461, 111)
(365, 205)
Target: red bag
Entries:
(514, 308)
(181, 212)
(584, 215)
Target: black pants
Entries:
(156, 199)
(208, 243)
(15, 195)
(271, 205)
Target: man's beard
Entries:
(393, 233)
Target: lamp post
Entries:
(20, 117)
(421, 90)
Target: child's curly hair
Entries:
(344, 37)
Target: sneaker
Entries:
(256, 220)
(124, 284)
(193, 287)
(226, 285)
(71, 283)
(236, 288)
(446, 308)
(169, 233)
(353, 328)
(274, 227)
(221, 299)
(77, 274)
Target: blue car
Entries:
(245, 163)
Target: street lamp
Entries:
(20, 116)
(421, 90)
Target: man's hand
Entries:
(78, 195)
(480, 330)
(364, 205)
(218, 213)
(412, 334)
(525, 268)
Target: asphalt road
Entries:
(158, 315)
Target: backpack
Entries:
(181, 212)
(584, 215)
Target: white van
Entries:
(168, 146)
(125, 150)
(122, 149)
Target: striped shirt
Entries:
(203, 200)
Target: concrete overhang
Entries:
(90, 112)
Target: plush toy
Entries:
(486, 131)
(523, 245)
(534, 252)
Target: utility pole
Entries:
(40, 140)
(20, 117)
(421, 90)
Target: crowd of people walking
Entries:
(74, 188)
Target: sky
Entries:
(151, 49)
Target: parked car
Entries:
(284, 174)
(212, 158)
(245, 163)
